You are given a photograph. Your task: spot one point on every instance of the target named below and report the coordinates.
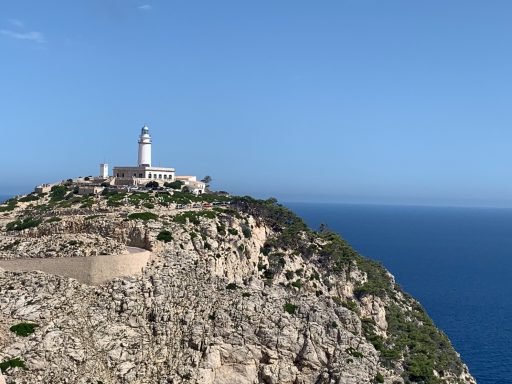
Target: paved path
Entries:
(91, 270)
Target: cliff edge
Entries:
(237, 290)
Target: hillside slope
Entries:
(244, 293)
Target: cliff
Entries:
(240, 293)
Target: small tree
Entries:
(207, 180)
(152, 184)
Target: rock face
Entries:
(245, 294)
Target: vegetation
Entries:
(290, 308)
(145, 216)
(232, 231)
(58, 192)
(379, 378)
(231, 286)
(53, 219)
(11, 246)
(354, 353)
(152, 184)
(246, 231)
(164, 236)
(193, 216)
(9, 205)
(174, 185)
(19, 225)
(23, 329)
(351, 304)
(422, 345)
(12, 363)
(29, 198)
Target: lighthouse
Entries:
(144, 147)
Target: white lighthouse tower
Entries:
(145, 147)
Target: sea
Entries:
(456, 261)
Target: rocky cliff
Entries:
(241, 293)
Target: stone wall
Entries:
(92, 270)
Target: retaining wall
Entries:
(91, 270)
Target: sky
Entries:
(399, 102)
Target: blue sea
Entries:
(456, 261)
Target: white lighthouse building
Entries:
(143, 172)
(144, 147)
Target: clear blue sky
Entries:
(349, 101)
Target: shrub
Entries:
(350, 304)
(92, 217)
(53, 219)
(164, 236)
(145, 216)
(247, 232)
(28, 198)
(290, 308)
(193, 216)
(149, 205)
(23, 329)
(152, 184)
(289, 275)
(20, 225)
(58, 192)
(297, 284)
(246, 294)
(12, 363)
(233, 231)
(9, 205)
(174, 185)
(231, 286)
(354, 353)
(221, 230)
(379, 378)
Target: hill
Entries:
(236, 290)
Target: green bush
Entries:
(58, 192)
(12, 363)
(164, 236)
(193, 216)
(351, 304)
(290, 308)
(20, 225)
(231, 286)
(174, 185)
(145, 216)
(246, 294)
(246, 231)
(354, 353)
(23, 329)
(8, 205)
(53, 219)
(29, 198)
(379, 378)
(297, 284)
(233, 231)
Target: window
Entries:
(160, 176)
(140, 174)
(117, 174)
(149, 176)
(122, 175)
